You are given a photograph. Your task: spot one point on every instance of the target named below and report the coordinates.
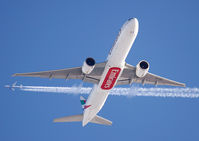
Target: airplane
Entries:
(113, 72)
(13, 86)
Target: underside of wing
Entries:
(69, 73)
(129, 76)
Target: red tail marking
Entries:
(86, 106)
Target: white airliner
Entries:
(114, 71)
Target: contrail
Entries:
(133, 91)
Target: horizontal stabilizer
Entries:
(97, 119)
(100, 120)
(69, 118)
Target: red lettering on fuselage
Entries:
(110, 78)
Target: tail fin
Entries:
(97, 119)
(83, 101)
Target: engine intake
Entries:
(88, 65)
(142, 68)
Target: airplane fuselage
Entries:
(113, 69)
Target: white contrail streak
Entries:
(133, 91)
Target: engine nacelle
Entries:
(88, 65)
(142, 68)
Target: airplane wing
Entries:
(129, 76)
(70, 73)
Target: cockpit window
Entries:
(130, 19)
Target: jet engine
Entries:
(88, 65)
(142, 68)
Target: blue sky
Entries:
(46, 35)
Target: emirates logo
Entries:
(110, 78)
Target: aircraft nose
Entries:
(133, 19)
(133, 23)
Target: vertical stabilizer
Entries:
(82, 101)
